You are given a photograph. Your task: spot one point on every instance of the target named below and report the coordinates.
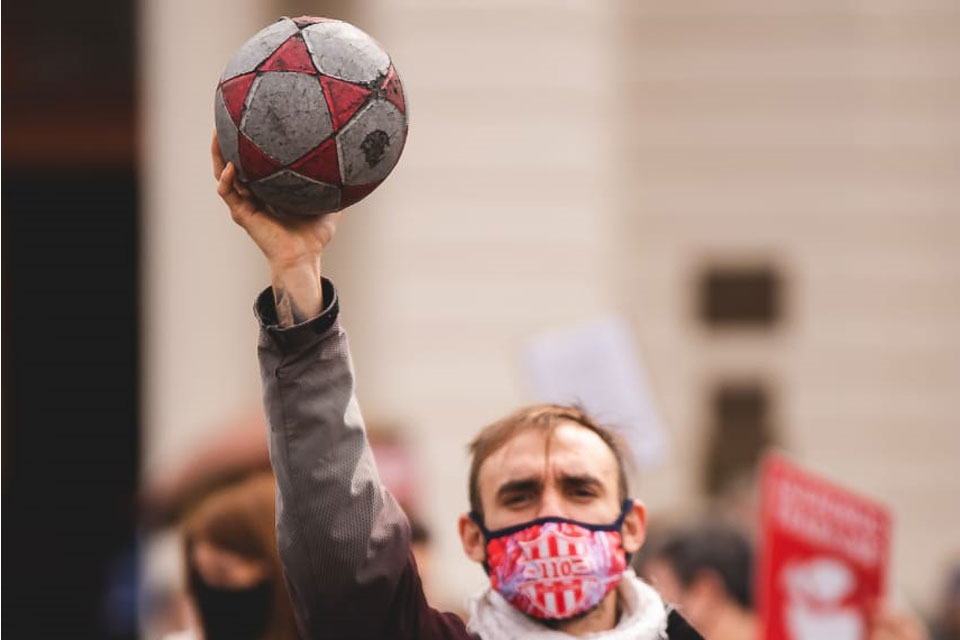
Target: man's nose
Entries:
(551, 504)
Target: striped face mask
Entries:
(555, 568)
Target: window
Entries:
(748, 297)
(740, 431)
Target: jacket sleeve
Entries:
(343, 540)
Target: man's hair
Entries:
(714, 547)
(540, 417)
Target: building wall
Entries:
(200, 273)
(823, 138)
(569, 160)
(496, 224)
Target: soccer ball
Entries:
(312, 113)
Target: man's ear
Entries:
(634, 530)
(471, 537)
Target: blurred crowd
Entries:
(212, 567)
(218, 514)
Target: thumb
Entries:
(240, 207)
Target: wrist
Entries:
(297, 290)
(298, 266)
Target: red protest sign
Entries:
(823, 556)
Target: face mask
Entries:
(555, 568)
(233, 614)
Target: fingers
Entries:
(325, 226)
(225, 187)
(239, 205)
(225, 181)
(218, 163)
(332, 219)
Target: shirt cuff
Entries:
(298, 335)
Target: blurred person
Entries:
(238, 449)
(422, 549)
(234, 576)
(707, 571)
(228, 454)
(550, 519)
(947, 623)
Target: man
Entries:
(707, 572)
(551, 522)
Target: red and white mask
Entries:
(555, 568)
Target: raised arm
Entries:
(343, 540)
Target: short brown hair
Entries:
(542, 417)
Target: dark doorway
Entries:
(70, 337)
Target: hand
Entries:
(284, 240)
(887, 624)
(292, 245)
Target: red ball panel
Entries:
(356, 192)
(393, 91)
(256, 164)
(235, 94)
(344, 98)
(321, 163)
(291, 56)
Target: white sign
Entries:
(596, 367)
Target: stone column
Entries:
(200, 273)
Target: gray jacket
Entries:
(344, 542)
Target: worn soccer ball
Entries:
(312, 113)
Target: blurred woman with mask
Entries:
(233, 571)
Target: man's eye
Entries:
(514, 500)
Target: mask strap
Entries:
(625, 507)
(478, 519)
(617, 524)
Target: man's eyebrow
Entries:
(580, 480)
(520, 485)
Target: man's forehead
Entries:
(572, 449)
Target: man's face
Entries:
(574, 475)
(225, 569)
(570, 473)
(664, 579)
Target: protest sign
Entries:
(823, 556)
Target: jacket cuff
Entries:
(302, 334)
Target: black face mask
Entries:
(233, 614)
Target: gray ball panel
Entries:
(370, 145)
(226, 133)
(294, 194)
(258, 48)
(345, 52)
(286, 115)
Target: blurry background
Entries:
(765, 193)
